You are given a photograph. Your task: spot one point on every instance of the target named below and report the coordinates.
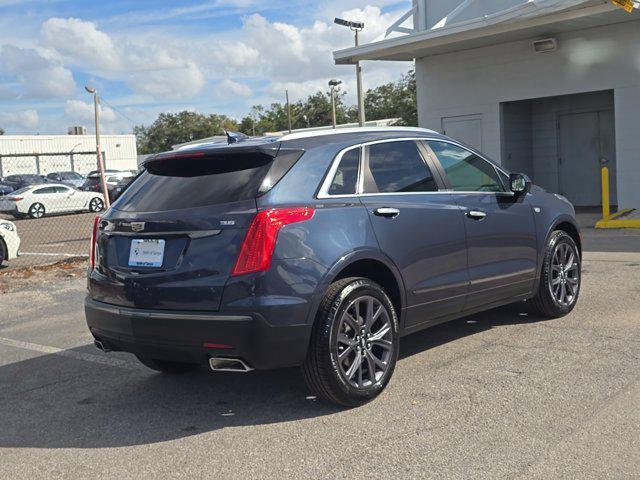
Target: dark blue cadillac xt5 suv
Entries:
(321, 250)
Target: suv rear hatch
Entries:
(171, 240)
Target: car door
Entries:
(418, 226)
(46, 197)
(67, 200)
(500, 229)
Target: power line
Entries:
(133, 122)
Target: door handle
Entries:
(386, 212)
(476, 214)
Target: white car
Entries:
(9, 241)
(36, 201)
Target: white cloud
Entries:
(27, 119)
(39, 76)
(228, 86)
(174, 83)
(79, 112)
(80, 42)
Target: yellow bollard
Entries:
(606, 207)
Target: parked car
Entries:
(40, 200)
(9, 241)
(73, 179)
(24, 180)
(5, 189)
(92, 182)
(116, 190)
(321, 250)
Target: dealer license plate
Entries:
(146, 253)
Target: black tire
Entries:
(324, 371)
(547, 303)
(96, 204)
(3, 251)
(165, 366)
(36, 211)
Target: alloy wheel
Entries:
(96, 205)
(564, 280)
(364, 346)
(37, 210)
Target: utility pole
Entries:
(288, 110)
(356, 27)
(103, 180)
(333, 84)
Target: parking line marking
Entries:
(87, 357)
(45, 254)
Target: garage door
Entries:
(587, 141)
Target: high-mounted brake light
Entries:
(260, 242)
(94, 238)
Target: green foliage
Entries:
(392, 100)
(1, 131)
(172, 128)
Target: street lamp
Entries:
(96, 106)
(356, 27)
(334, 88)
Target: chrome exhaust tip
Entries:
(226, 364)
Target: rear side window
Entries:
(346, 177)
(396, 167)
(467, 172)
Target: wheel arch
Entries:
(367, 263)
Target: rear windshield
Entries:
(188, 183)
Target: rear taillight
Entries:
(94, 238)
(14, 199)
(260, 242)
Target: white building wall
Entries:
(120, 152)
(478, 81)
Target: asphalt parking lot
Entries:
(496, 395)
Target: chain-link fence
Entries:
(50, 206)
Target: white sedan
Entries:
(9, 241)
(36, 201)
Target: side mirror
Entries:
(519, 183)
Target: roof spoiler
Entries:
(240, 155)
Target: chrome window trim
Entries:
(326, 184)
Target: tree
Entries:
(394, 100)
(172, 128)
(1, 131)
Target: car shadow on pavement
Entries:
(64, 401)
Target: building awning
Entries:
(534, 18)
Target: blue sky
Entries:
(147, 57)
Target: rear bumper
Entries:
(180, 336)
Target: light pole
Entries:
(334, 88)
(103, 181)
(356, 27)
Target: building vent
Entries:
(546, 45)
(77, 130)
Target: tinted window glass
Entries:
(41, 191)
(346, 177)
(62, 190)
(398, 167)
(467, 172)
(70, 176)
(194, 183)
